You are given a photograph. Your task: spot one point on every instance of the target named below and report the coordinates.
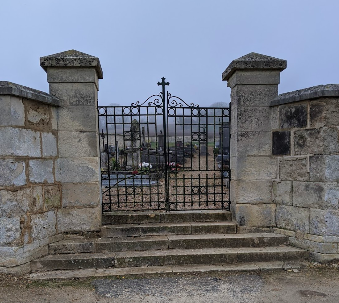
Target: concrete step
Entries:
(177, 257)
(82, 245)
(118, 218)
(187, 228)
(164, 270)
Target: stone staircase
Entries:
(155, 243)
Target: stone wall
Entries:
(306, 191)
(30, 196)
(49, 159)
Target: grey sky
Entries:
(190, 42)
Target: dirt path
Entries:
(311, 285)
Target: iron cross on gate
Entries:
(163, 83)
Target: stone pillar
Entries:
(73, 78)
(253, 80)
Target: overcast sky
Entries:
(190, 42)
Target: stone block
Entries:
(293, 169)
(49, 145)
(75, 93)
(281, 143)
(77, 170)
(282, 192)
(19, 202)
(19, 142)
(257, 168)
(254, 119)
(78, 144)
(78, 118)
(12, 111)
(325, 248)
(293, 116)
(71, 75)
(52, 197)
(324, 112)
(316, 141)
(275, 118)
(38, 115)
(324, 222)
(43, 225)
(254, 143)
(324, 168)
(54, 118)
(12, 173)
(308, 194)
(261, 215)
(79, 219)
(253, 192)
(293, 218)
(254, 77)
(9, 255)
(10, 232)
(80, 195)
(41, 171)
(255, 95)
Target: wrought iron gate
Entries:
(164, 154)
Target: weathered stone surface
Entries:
(293, 116)
(85, 219)
(294, 169)
(324, 222)
(261, 215)
(255, 95)
(308, 194)
(10, 231)
(281, 143)
(78, 144)
(318, 247)
(75, 93)
(316, 195)
(9, 88)
(253, 119)
(41, 171)
(17, 203)
(253, 192)
(43, 225)
(12, 111)
(71, 58)
(314, 92)
(324, 168)
(254, 143)
(254, 61)
(282, 192)
(275, 118)
(258, 168)
(38, 115)
(85, 195)
(77, 170)
(324, 112)
(316, 141)
(78, 118)
(49, 145)
(12, 173)
(52, 197)
(76, 75)
(19, 142)
(247, 78)
(293, 218)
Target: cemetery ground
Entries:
(314, 283)
(195, 185)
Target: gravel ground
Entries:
(308, 285)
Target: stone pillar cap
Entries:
(253, 61)
(71, 58)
